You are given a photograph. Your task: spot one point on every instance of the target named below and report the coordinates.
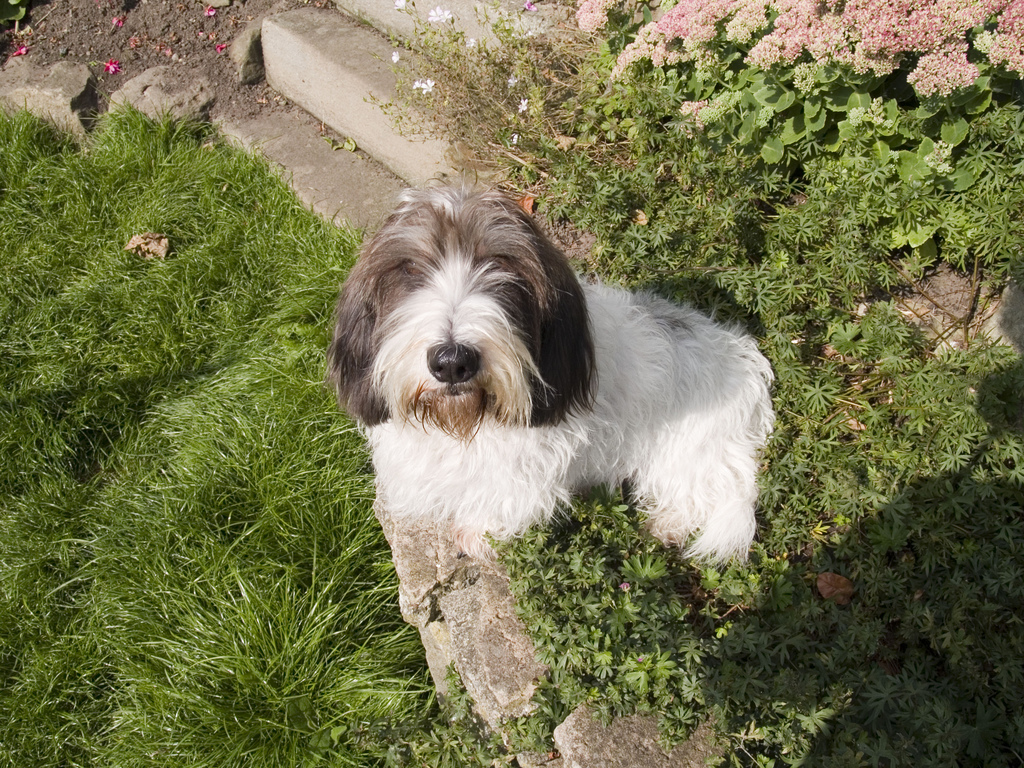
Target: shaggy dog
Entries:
(492, 384)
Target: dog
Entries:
(492, 383)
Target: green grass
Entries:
(190, 572)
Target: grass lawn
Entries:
(190, 573)
(189, 569)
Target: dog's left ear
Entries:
(565, 358)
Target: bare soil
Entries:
(190, 36)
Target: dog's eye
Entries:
(409, 268)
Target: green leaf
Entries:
(858, 100)
(839, 98)
(962, 179)
(882, 152)
(912, 168)
(775, 97)
(746, 131)
(832, 141)
(815, 116)
(773, 150)
(928, 250)
(794, 129)
(13, 10)
(954, 133)
(827, 74)
(923, 234)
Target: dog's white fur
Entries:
(668, 400)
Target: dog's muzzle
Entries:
(453, 364)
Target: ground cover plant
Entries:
(878, 620)
(190, 573)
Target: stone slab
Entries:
(343, 187)
(340, 72)
(628, 742)
(473, 17)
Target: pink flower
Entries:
(220, 47)
(624, 586)
(20, 52)
(529, 6)
(210, 11)
(593, 14)
(118, 21)
(113, 66)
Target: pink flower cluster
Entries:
(1005, 46)
(593, 14)
(867, 35)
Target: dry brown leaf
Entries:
(832, 586)
(148, 245)
(564, 142)
(527, 203)
(639, 217)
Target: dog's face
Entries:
(458, 310)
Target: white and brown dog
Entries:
(492, 384)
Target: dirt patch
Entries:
(189, 36)
(950, 306)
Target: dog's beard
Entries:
(458, 411)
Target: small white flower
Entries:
(395, 57)
(515, 139)
(439, 15)
(399, 5)
(524, 105)
(512, 81)
(424, 85)
(471, 43)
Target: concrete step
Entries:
(474, 17)
(343, 187)
(340, 71)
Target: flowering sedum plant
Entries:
(901, 82)
(931, 39)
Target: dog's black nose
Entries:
(453, 363)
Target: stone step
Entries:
(344, 187)
(473, 17)
(340, 71)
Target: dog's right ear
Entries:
(352, 351)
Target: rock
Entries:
(466, 617)
(64, 94)
(246, 53)
(628, 742)
(1009, 319)
(425, 559)
(157, 92)
(490, 648)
